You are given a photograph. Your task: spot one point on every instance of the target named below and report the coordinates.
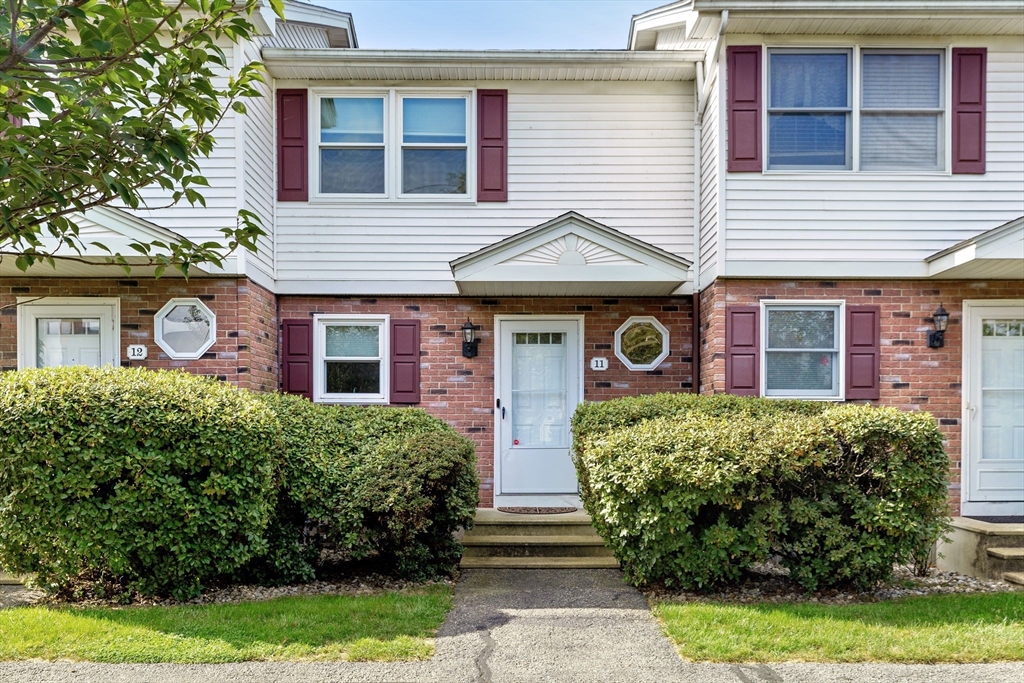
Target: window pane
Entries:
(353, 341)
(67, 341)
(353, 378)
(186, 329)
(352, 119)
(809, 80)
(807, 140)
(901, 81)
(434, 171)
(433, 120)
(801, 372)
(901, 141)
(352, 171)
(801, 329)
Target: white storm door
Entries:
(539, 388)
(994, 415)
(59, 332)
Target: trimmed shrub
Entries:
(690, 490)
(391, 483)
(153, 480)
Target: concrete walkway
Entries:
(530, 626)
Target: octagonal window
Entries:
(641, 343)
(185, 328)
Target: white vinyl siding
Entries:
(260, 172)
(709, 178)
(880, 223)
(618, 153)
(221, 169)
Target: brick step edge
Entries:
(498, 539)
(1014, 577)
(1007, 553)
(540, 563)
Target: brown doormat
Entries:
(537, 511)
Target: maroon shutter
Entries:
(743, 350)
(292, 146)
(297, 357)
(492, 145)
(969, 109)
(743, 103)
(405, 361)
(863, 352)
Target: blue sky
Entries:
(492, 24)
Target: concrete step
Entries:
(1002, 559)
(547, 539)
(12, 579)
(489, 522)
(539, 563)
(1014, 577)
(1007, 553)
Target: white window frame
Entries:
(393, 144)
(30, 309)
(855, 90)
(665, 346)
(158, 328)
(320, 324)
(805, 304)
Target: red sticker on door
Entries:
(515, 442)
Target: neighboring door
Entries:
(994, 408)
(61, 332)
(539, 373)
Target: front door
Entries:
(994, 408)
(538, 372)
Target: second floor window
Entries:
(393, 145)
(886, 115)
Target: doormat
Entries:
(1014, 519)
(537, 511)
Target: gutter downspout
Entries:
(698, 117)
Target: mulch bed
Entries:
(537, 511)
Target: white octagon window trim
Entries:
(159, 332)
(634, 320)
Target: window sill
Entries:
(388, 201)
(351, 401)
(845, 175)
(829, 399)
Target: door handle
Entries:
(497, 403)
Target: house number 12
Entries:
(137, 352)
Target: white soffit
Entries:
(480, 65)
(570, 256)
(993, 255)
(115, 229)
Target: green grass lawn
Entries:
(933, 629)
(389, 627)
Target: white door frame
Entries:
(32, 308)
(967, 434)
(526, 500)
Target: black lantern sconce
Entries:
(469, 340)
(937, 337)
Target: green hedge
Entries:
(690, 490)
(391, 483)
(155, 480)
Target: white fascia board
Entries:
(644, 27)
(314, 287)
(508, 58)
(303, 13)
(957, 7)
(827, 270)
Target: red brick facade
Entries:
(913, 376)
(461, 390)
(245, 352)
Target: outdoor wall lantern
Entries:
(469, 340)
(937, 337)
